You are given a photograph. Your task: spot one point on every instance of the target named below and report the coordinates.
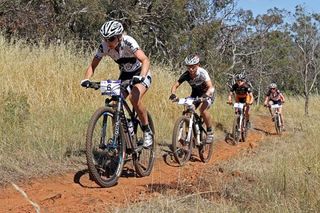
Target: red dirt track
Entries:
(74, 192)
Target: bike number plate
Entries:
(110, 87)
(238, 105)
(185, 101)
(275, 106)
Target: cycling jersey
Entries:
(124, 56)
(198, 83)
(275, 96)
(241, 91)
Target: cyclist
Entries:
(274, 96)
(200, 82)
(243, 94)
(133, 64)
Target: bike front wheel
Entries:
(105, 153)
(144, 158)
(277, 124)
(182, 140)
(236, 133)
(244, 131)
(205, 149)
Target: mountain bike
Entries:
(239, 128)
(189, 133)
(114, 136)
(276, 117)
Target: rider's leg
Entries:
(204, 112)
(270, 110)
(135, 97)
(247, 110)
(206, 115)
(281, 117)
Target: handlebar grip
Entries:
(94, 85)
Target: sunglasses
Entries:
(111, 39)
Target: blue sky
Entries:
(261, 6)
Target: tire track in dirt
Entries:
(76, 193)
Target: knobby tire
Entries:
(144, 159)
(205, 149)
(277, 124)
(235, 130)
(105, 164)
(244, 130)
(180, 147)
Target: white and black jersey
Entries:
(123, 55)
(198, 83)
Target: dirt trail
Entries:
(74, 192)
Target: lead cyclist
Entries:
(133, 65)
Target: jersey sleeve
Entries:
(206, 75)
(131, 43)
(233, 88)
(183, 77)
(268, 93)
(100, 52)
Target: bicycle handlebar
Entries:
(231, 103)
(124, 85)
(195, 100)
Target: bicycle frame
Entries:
(188, 133)
(239, 129)
(118, 103)
(277, 116)
(193, 116)
(240, 111)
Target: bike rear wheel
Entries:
(105, 154)
(181, 145)
(144, 158)
(205, 149)
(236, 133)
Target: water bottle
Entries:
(197, 133)
(130, 128)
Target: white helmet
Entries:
(239, 77)
(192, 59)
(111, 28)
(273, 86)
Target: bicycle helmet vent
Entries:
(192, 59)
(111, 28)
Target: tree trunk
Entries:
(259, 94)
(306, 105)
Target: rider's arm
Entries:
(266, 100)
(282, 97)
(91, 68)
(230, 97)
(175, 87)
(210, 90)
(144, 61)
(251, 97)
